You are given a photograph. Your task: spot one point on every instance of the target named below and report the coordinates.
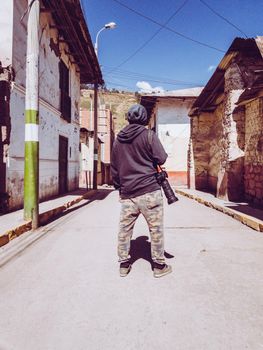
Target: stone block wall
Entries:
(239, 119)
(236, 165)
(253, 164)
(201, 140)
(216, 145)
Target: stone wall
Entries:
(201, 140)
(230, 175)
(216, 146)
(253, 165)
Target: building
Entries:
(105, 138)
(226, 126)
(169, 117)
(67, 59)
(86, 149)
(250, 113)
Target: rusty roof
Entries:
(72, 27)
(149, 100)
(240, 47)
(255, 91)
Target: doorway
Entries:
(63, 165)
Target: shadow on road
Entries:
(249, 210)
(141, 249)
(98, 196)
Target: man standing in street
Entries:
(133, 168)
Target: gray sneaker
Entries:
(125, 268)
(161, 270)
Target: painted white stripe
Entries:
(32, 59)
(32, 82)
(31, 132)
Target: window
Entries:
(65, 100)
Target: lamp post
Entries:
(110, 25)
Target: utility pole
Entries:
(95, 152)
(31, 174)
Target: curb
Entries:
(17, 231)
(245, 219)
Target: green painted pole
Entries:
(31, 174)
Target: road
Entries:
(64, 291)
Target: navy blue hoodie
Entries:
(134, 159)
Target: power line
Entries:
(117, 84)
(168, 28)
(155, 80)
(137, 75)
(222, 17)
(152, 37)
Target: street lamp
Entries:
(110, 25)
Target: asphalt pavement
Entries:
(63, 291)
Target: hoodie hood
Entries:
(137, 114)
(130, 132)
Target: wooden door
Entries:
(63, 164)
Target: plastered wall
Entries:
(51, 125)
(6, 32)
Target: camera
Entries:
(161, 177)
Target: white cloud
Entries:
(145, 87)
(210, 68)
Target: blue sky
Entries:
(168, 61)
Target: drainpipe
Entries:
(95, 152)
(31, 174)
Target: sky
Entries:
(141, 55)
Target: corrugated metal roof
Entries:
(191, 92)
(254, 92)
(215, 86)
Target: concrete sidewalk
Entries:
(13, 225)
(243, 212)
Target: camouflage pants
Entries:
(150, 205)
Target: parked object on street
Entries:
(133, 169)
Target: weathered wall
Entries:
(106, 136)
(216, 142)
(19, 42)
(6, 32)
(51, 125)
(201, 140)
(254, 152)
(174, 132)
(230, 174)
